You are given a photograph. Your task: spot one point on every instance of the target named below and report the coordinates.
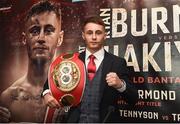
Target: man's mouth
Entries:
(94, 42)
(40, 48)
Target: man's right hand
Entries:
(4, 114)
(51, 101)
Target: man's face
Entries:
(43, 32)
(94, 36)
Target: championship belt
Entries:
(66, 80)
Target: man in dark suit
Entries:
(107, 80)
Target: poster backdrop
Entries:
(144, 32)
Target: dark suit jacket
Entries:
(108, 95)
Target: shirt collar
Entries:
(99, 54)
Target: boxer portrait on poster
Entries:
(22, 101)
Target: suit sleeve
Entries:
(45, 88)
(130, 94)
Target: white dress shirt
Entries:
(99, 56)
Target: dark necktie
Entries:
(91, 67)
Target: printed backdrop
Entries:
(146, 33)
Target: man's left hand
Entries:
(113, 80)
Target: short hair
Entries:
(93, 19)
(44, 6)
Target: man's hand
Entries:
(5, 114)
(51, 101)
(113, 80)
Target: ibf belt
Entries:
(66, 79)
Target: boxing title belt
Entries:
(66, 79)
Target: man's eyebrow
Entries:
(99, 30)
(95, 30)
(89, 30)
(49, 25)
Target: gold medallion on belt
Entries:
(66, 75)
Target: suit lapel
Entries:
(107, 63)
(82, 56)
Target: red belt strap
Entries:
(66, 79)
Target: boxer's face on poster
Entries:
(43, 34)
(94, 36)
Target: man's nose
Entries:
(41, 38)
(94, 36)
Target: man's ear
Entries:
(83, 35)
(105, 36)
(23, 38)
(60, 40)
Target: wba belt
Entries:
(66, 79)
